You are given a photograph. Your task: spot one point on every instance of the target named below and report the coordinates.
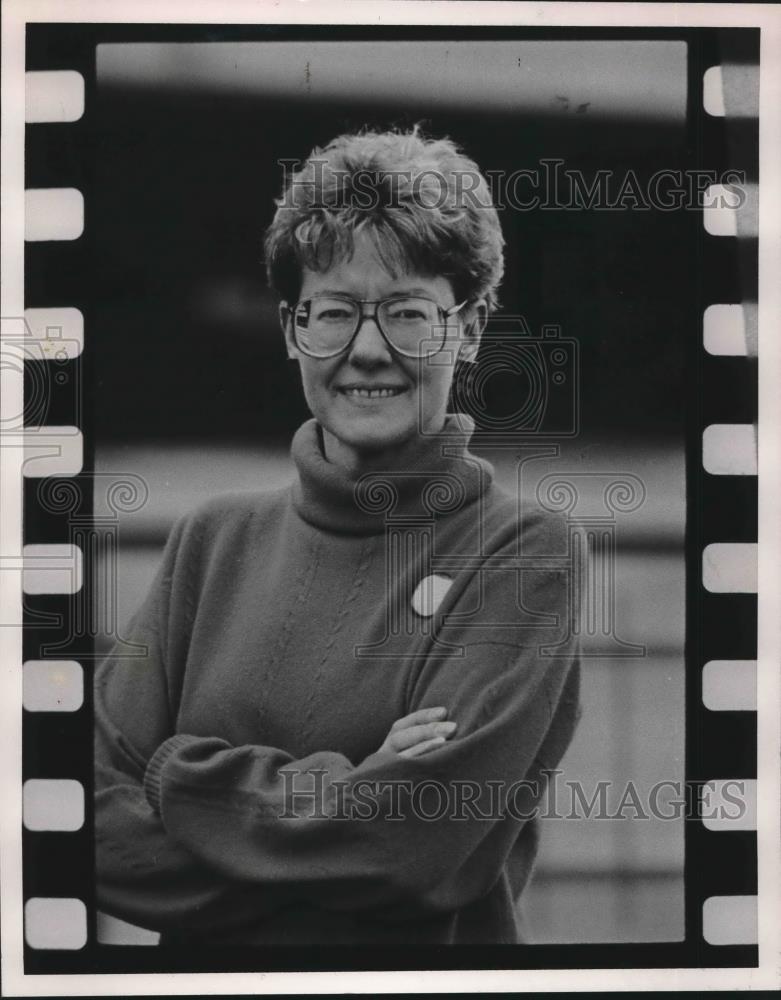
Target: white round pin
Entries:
(429, 594)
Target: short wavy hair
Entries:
(425, 205)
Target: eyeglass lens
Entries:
(325, 325)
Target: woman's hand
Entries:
(419, 732)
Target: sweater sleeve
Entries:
(144, 875)
(374, 835)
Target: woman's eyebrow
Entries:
(413, 291)
(416, 290)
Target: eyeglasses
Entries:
(413, 325)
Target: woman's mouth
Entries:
(383, 392)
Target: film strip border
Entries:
(58, 868)
(721, 854)
(721, 612)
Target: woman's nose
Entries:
(369, 346)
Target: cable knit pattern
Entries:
(282, 645)
(339, 620)
(191, 582)
(302, 587)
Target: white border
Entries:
(15, 13)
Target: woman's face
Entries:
(361, 431)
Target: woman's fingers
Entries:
(421, 748)
(403, 739)
(426, 726)
(422, 715)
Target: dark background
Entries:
(185, 188)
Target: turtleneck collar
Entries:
(429, 476)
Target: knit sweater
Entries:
(241, 795)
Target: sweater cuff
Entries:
(154, 769)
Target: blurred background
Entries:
(193, 391)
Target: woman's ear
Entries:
(474, 325)
(286, 322)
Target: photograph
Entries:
(394, 553)
(390, 495)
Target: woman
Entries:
(343, 720)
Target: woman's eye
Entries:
(408, 314)
(333, 314)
